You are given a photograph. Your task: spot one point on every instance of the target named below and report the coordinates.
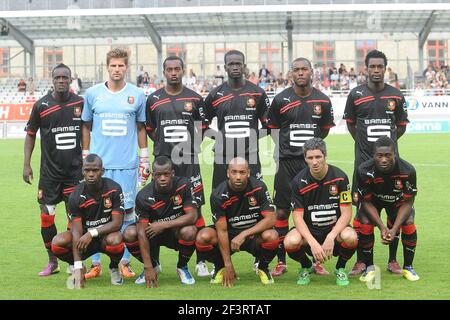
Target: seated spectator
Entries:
(30, 87)
(21, 86)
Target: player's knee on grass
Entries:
(187, 233)
(63, 240)
(293, 240)
(206, 236)
(349, 237)
(129, 235)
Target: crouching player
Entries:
(167, 214)
(387, 182)
(322, 212)
(96, 210)
(244, 217)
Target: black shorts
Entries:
(94, 247)
(287, 169)
(220, 173)
(320, 237)
(53, 192)
(168, 238)
(192, 171)
(250, 244)
(390, 209)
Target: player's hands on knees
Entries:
(236, 242)
(318, 252)
(229, 276)
(84, 242)
(328, 246)
(27, 174)
(151, 278)
(153, 229)
(78, 277)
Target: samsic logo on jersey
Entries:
(77, 112)
(391, 104)
(252, 201)
(398, 184)
(188, 106)
(317, 109)
(333, 190)
(130, 100)
(251, 102)
(177, 200)
(107, 203)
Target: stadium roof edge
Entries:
(227, 9)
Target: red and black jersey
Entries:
(299, 119)
(237, 112)
(95, 210)
(242, 210)
(152, 206)
(321, 201)
(173, 120)
(60, 130)
(391, 189)
(376, 114)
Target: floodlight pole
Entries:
(157, 42)
(289, 28)
(423, 36)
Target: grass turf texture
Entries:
(23, 254)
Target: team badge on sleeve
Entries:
(317, 109)
(391, 105)
(130, 99)
(398, 184)
(107, 203)
(346, 197)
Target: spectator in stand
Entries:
(21, 86)
(145, 80)
(342, 69)
(361, 78)
(253, 79)
(139, 76)
(31, 87)
(352, 73)
(393, 78)
(263, 72)
(219, 76)
(429, 73)
(76, 85)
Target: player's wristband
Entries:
(144, 153)
(84, 153)
(93, 232)
(78, 265)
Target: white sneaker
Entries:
(202, 269)
(116, 277)
(185, 275)
(141, 278)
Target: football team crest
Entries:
(391, 105)
(77, 112)
(333, 190)
(188, 106)
(40, 194)
(252, 201)
(251, 102)
(177, 200)
(107, 203)
(130, 99)
(317, 109)
(398, 184)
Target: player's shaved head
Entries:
(384, 154)
(234, 52)
(302, 60)
(238, 161)
(173, 58)
(93, 158)
(162, 162)
(384, 141)
(375, 54)
(61, 65)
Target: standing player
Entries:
(299, 113)
(115, 113)
(58, 116)
(389, 182)
(175, 121)
(322, 211)
(237, 104)
(96, 213)
(243, 217)
(373, 110)
(167, 214)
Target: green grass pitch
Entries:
(23, 255)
